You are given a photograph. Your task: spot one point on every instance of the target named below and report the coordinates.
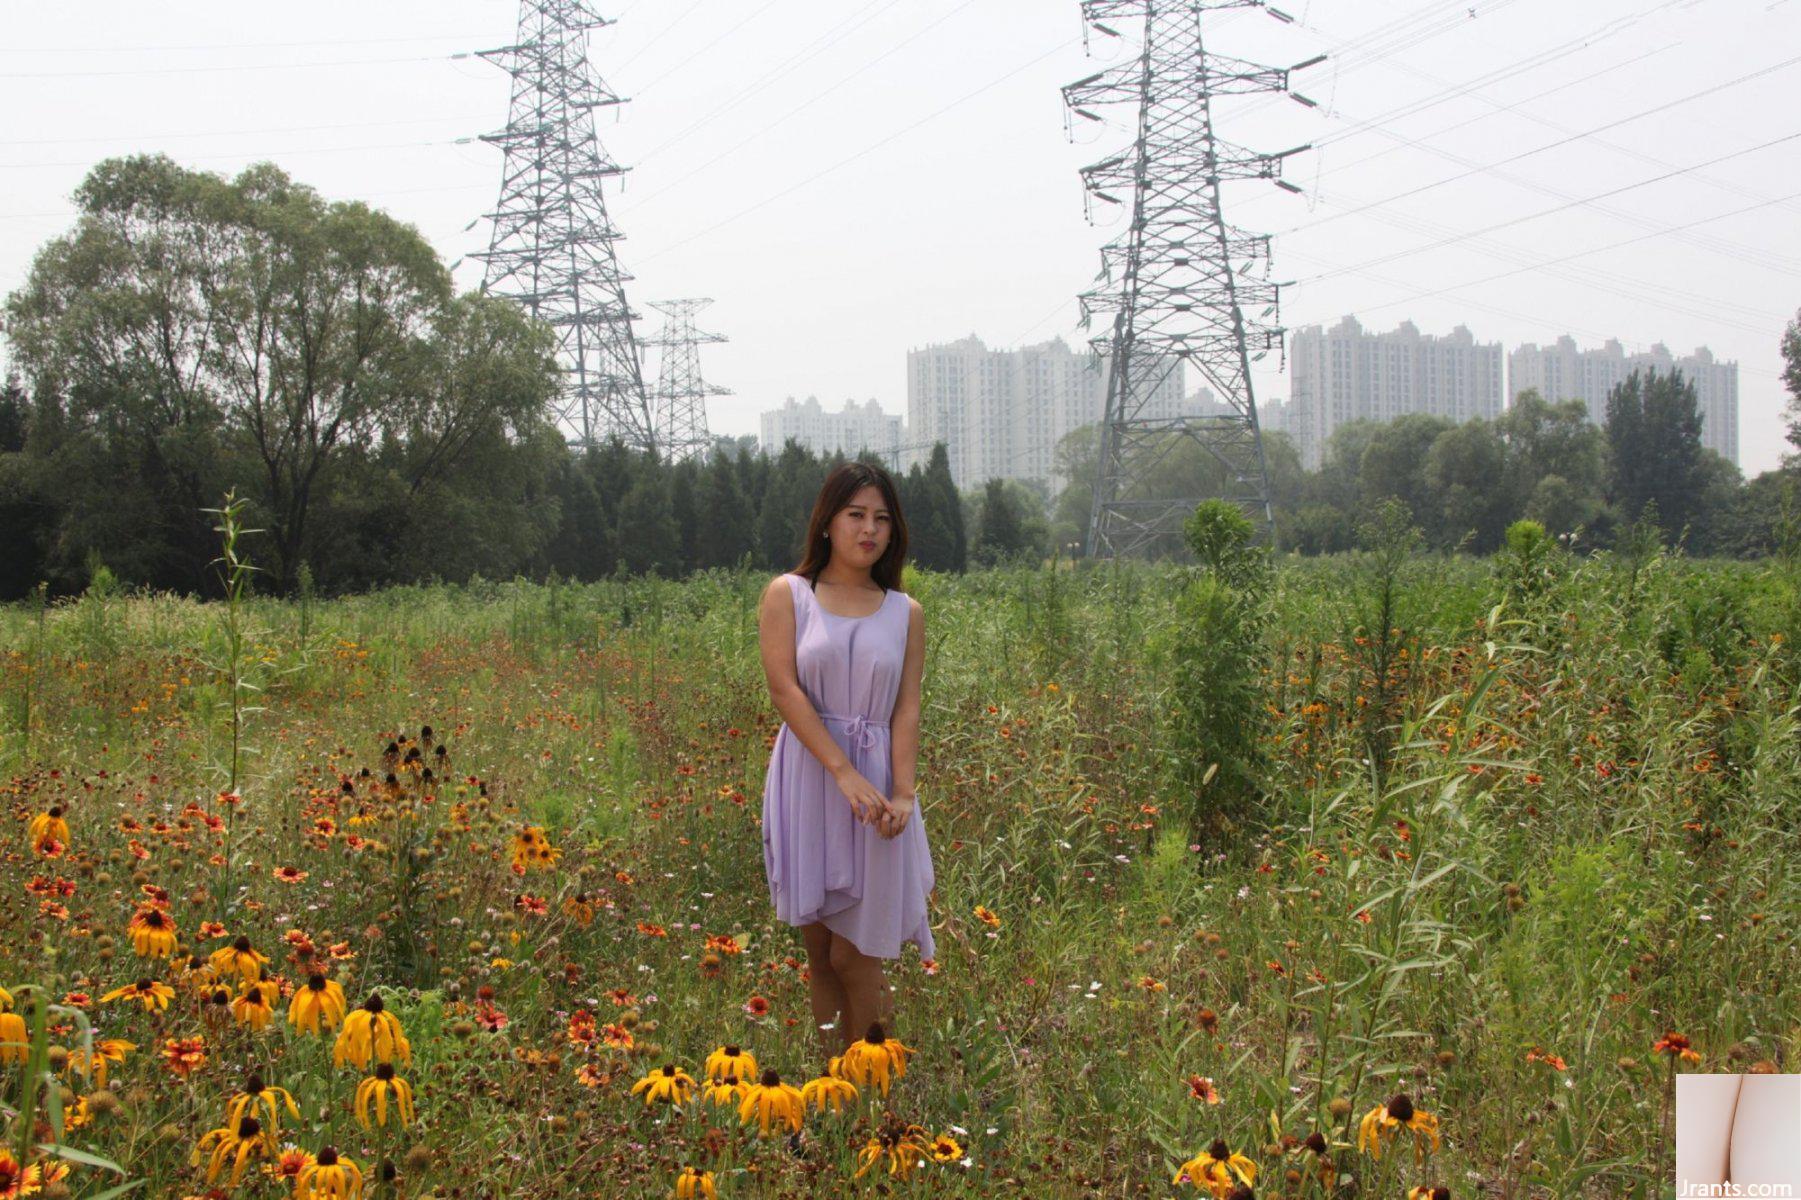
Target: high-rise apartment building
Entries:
(1344, 374)
(1001, 413)
(1562, 372)
(858, 426)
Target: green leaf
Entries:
(81, 1156)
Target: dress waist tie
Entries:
(862, 729)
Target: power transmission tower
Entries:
(1184, 286)
(680, 409)
(552, 243)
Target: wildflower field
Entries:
(458, 892)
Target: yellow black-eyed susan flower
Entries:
(532, 850)
(237, 1144)
(826, 1090)
(258, 1099)
(904, 1146)
(727, 1092)
(237, 958)
(371, 1032)
(875, 1058)
(317, 1005)
(668, 1083)
(1386, 1120)
(255, 1004)
(150, 992)
(946, 1149)
(15, 1038)
(374, 1090)
(195, 975)
(48, 832)
(1423, 1192)
(93, 1062)
(1318, 1152)
(152, 932)
(771, 1100)
(581, 908)
(1217, 1168)
(330, 1177)
(731, 1060)
(695, 1184)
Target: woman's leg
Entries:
(825, 990)
(871, 999)
(1704, 1114)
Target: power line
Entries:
(844, 162)
(306, 66)
(1524, 154)
(1567, 257)
(808, 103)
(159, 137)
(1399, 254)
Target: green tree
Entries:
(1654, 430)
(1463, 478)
(1791, 377)
(1000, 529)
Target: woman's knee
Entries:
(844, 955)
(818, 940)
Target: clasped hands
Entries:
(888, 814)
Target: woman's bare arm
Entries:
(903, 725)
(1704, 1109)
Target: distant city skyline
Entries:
(849, 180)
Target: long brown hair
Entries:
(845, 481)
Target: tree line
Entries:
(192, 334)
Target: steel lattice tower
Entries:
(1184, 286)
(552, 244)
(680, 408)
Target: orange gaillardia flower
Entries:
(184, 1056)
(1677, 1046)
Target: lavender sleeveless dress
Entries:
(823, 864)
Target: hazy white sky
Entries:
(849, 179)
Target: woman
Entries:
(1738, 1130)
(844, 843)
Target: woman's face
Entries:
(859, 532)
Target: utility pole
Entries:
(552, 244)
(1184, 287)
(679, 413)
